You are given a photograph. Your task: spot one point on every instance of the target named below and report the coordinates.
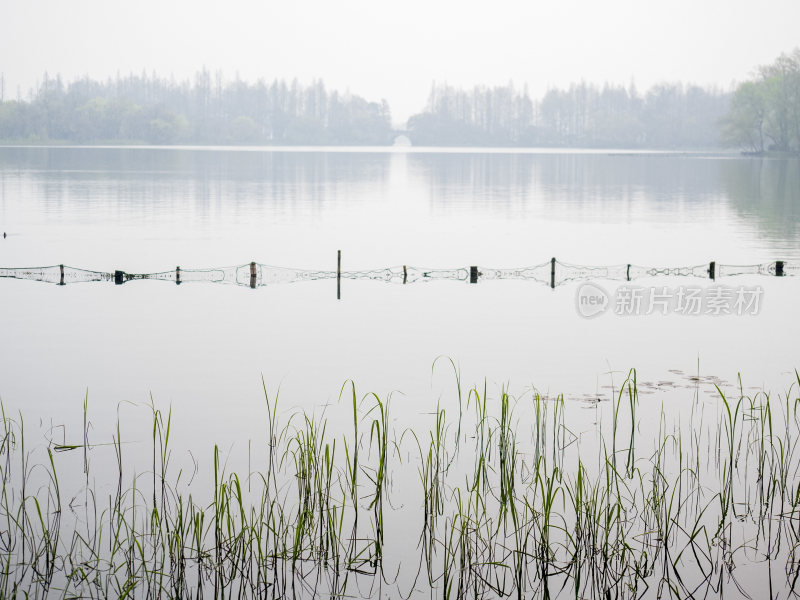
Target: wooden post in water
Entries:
(712, 270)
(61, 269)
(119, 277)
(405, 274)
(178, 275)
(338, 274)
(553, 273)
(253, 275)
(473, 274)
(779, 268)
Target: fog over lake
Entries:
(147, 210)
(396, 52)
(324, 300)
(413, 226)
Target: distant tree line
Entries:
(761, 114)
(207, 110)
(765, 111)
(584, 115)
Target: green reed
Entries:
(535, 509)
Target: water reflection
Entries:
(152, 181)
(595, 184)
(767, 191)
(225, 188)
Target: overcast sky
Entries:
(395, 50)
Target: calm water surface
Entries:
(203, 347)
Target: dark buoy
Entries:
(4, 235)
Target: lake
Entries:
(202, 348)
(145, 210)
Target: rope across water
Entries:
(553, 273)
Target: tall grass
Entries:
(707, 506)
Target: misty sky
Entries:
(395, 50)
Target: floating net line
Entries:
(242, 275)
(766, 269)
(539, 273)
(405, 274)
(552, 273)
(58, 274)
(566, 272)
